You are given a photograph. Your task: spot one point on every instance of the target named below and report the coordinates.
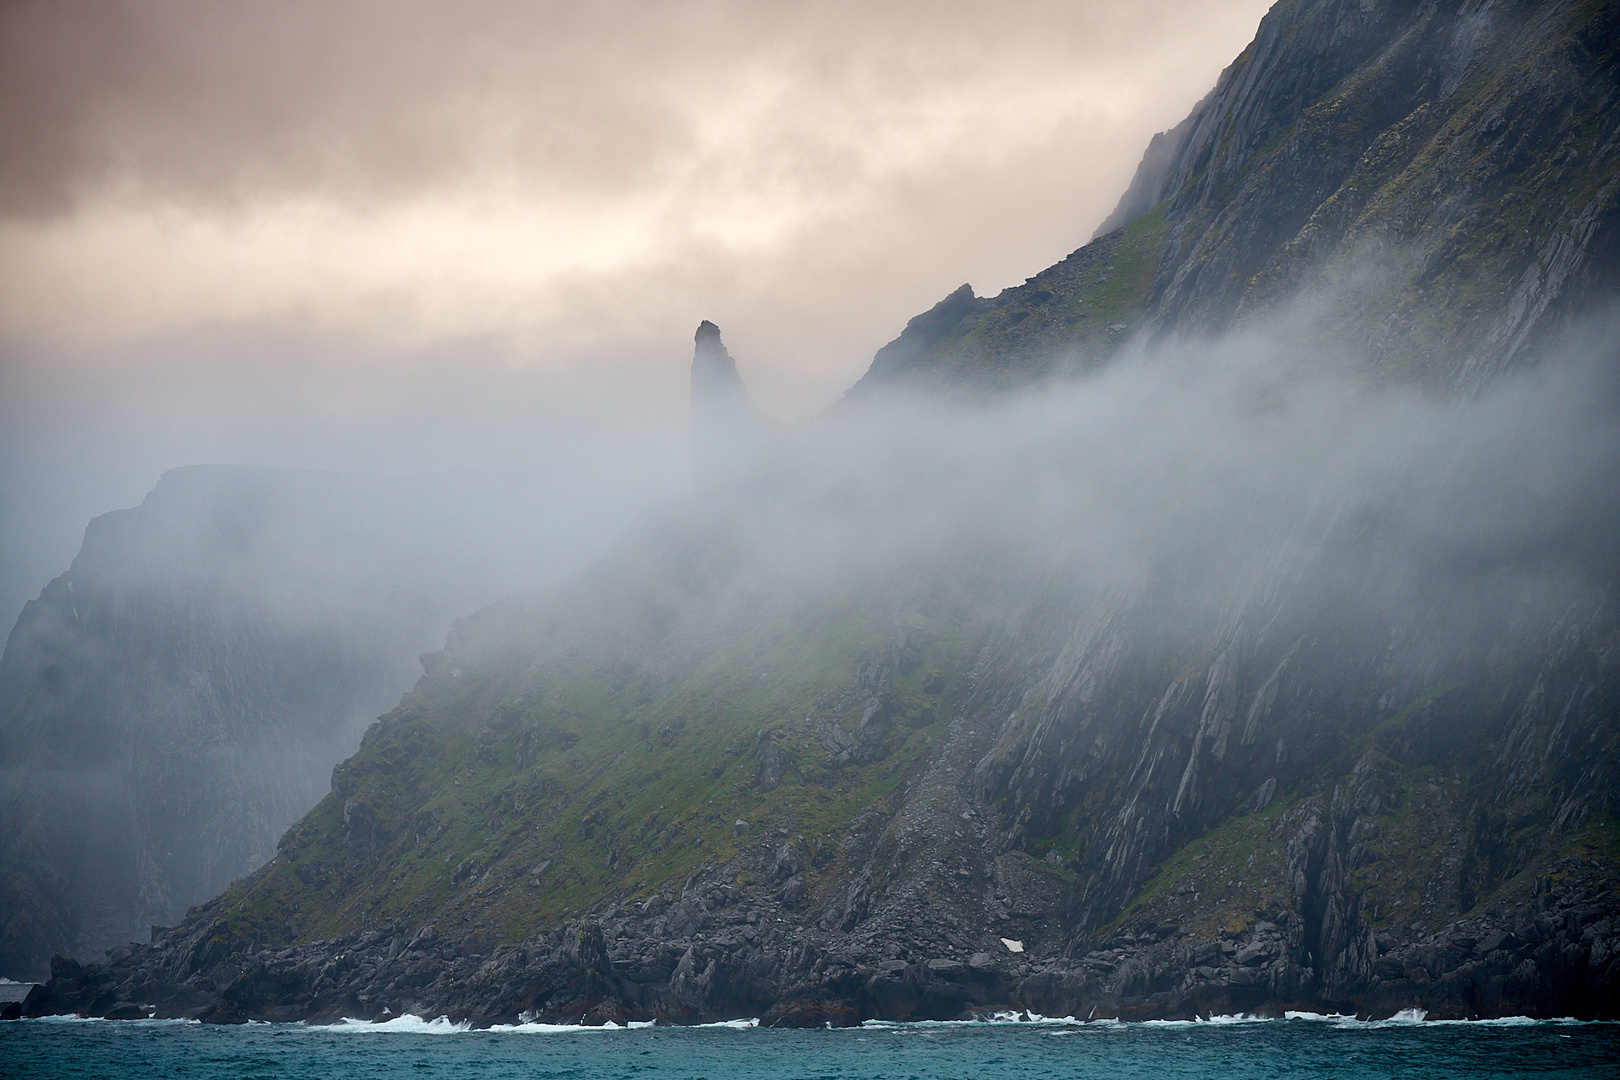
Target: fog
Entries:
(1188, 486)
(1206, 479)
(416, 236)
(81, 437)
(178, 698)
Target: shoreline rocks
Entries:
(1556, 956)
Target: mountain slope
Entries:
(811, 749)
(1215, 681)
(1440, 181)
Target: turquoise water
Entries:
(1295, 1047)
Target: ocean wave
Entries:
(410, 1023)
(1406, 1018)
(1419, 1017)
(1217, 1020)
(993, 1020)
(75, 1018)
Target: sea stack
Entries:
(724, 428)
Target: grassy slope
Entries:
(1066, 318)
(609, 764)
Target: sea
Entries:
(1297, 1045)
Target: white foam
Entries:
(1401, 1018)
(1416, 1017)
(537, 1028)
(993, 1020)
(74, 1018)
(1408, 1016)
(1235, 1018)
(1073, 1026)
(1219, 1020)
(533, 1027)
(410, 1023)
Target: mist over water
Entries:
(1184, 489)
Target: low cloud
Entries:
(1190, 487)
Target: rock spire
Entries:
(724, 427)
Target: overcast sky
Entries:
(433, 235)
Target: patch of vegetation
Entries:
(613, 764)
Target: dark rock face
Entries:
(924, 334)
(772, 762)
(1441, 180)
(1153, 175)
(1477, 141)
(716, 386)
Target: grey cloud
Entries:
(197, 100)
(217, 108)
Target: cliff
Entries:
(1189, 687)
(1438, 185)
(818, 751)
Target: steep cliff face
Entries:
(177, 698)
(1453, 167)
(1442, 181)
(1193, 687)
